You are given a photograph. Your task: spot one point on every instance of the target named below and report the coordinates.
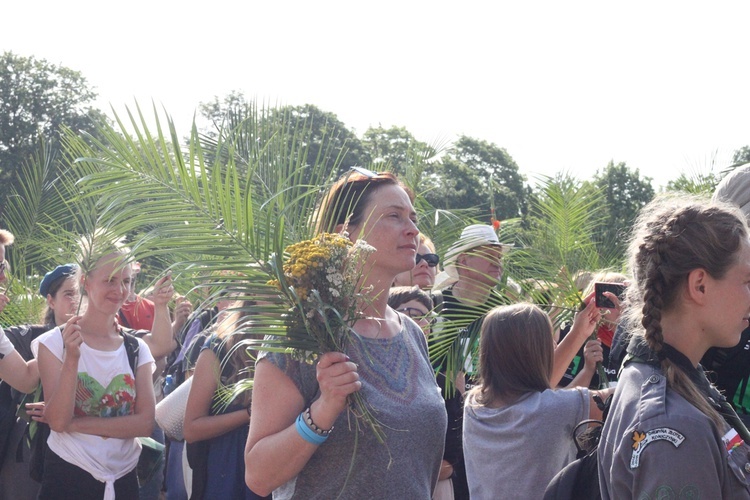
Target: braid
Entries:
(651, 260)
(673, 238)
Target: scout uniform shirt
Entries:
(655, 444)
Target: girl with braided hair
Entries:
(669, 432)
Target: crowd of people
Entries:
(503, 424)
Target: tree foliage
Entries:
(326, 140)
(697, 183)
(741, 156)
(38, 99)
(473, 173)
(394, 148)
(625, 193)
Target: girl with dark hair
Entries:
(669, 432)
(386, 361)
(517, 430)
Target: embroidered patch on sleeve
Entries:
(643, 439)
(731, 440)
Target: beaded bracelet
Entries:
(311, 424)
(307, 433)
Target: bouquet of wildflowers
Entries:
(321, 279)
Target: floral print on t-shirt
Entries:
(115, 400)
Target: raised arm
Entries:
(182, 310)
(60, 378)
(161, 341)
(592, 354)
(275, 451)
(583, 325)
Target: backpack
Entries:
(579, 480)
(38, 432)
(179, 359)
(21, 337)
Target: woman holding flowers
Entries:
(304, 440)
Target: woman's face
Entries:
(108, 285)
(421, 275)
(390, 225)
(65, 301)
(729, 305)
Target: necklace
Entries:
(379, 322)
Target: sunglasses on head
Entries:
(432, 259)
(364, 171)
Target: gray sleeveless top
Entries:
(399, 384)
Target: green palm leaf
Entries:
(218, 206)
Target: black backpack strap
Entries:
(123, 319)
(132, 348)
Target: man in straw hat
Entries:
(473, 264)
(473, 267)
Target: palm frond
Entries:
(223, 206)
(35, 208)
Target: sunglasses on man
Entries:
(432, 259)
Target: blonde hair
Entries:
(426, 241)
(6, 237)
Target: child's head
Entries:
(515, 353)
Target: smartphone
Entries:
(602, 300)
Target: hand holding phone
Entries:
(602, 300)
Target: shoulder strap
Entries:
(123, 319)
(132, 348)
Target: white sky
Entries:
(661, 85)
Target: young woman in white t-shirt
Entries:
(95, 405)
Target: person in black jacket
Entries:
(60, 289)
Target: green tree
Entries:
(696, 183)
(625, 193)
(395, 147)
(742, 155)
(473, 173)
(327, 136)
(38, 99)
(324, 138)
